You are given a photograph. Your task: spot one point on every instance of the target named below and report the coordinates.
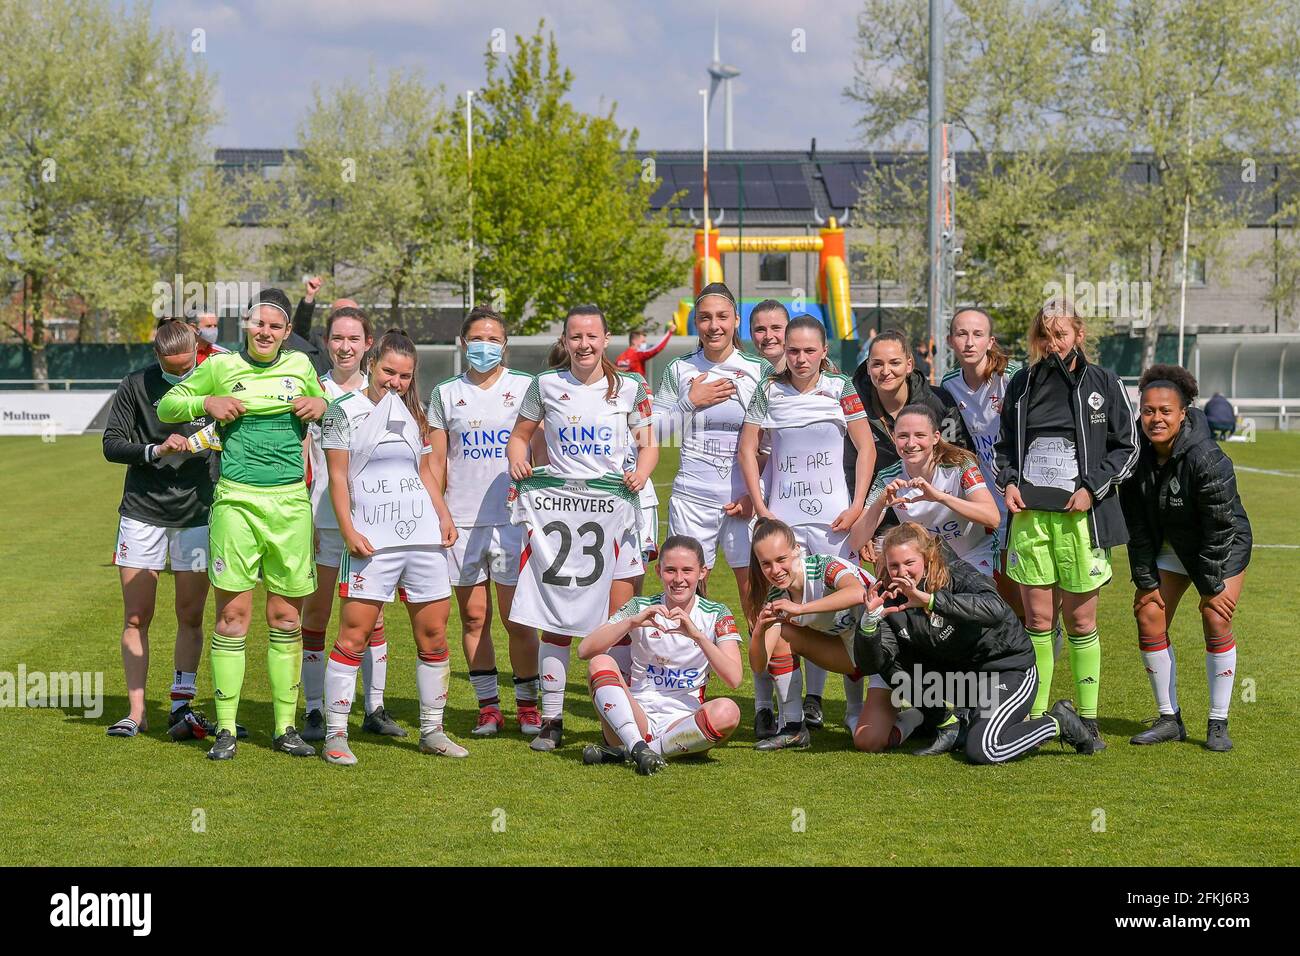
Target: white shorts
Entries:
(486, 551)
(711, 527)
(416, 575)
(649, 534)
(983, 559)
(147, 546)
(664, 710)
(329, 550)
(820, 539)
(1167, 560)
(629, 563)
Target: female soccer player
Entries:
(803, 605)
(470, 418)
(396, 527)
(809, 413)
(1186, 526)
(592, 415)
(928, 618)
(263, 397)
(702, 398)
(164, 517)
(1066, 444)
(678, 640)
(348, 339)
(978, 386)
(767, 322)
(938, 485)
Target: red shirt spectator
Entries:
(635, 357)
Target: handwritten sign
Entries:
(808, 485)
(1052, 463)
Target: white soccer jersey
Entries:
(390, 505)
(708, 472)
(822, 573)
(322, 508)
(807, 431)
(587, 434)
(648, 497)
(969, 540)
(478, 422)
(667, 663)
(574, 528)
(981, 409)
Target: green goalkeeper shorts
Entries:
(266, 530)
(1053, 548)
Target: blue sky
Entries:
(649, 58)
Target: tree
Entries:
(103, 129)
(1226, 67)
(374, 193)
(562, 209)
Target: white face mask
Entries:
(209, 335)
(171, 379)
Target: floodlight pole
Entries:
(704, 99)
(469, 168)
(934, 231)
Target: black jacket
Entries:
(1103, 420)
(918, 392)
(970, 629)
(1191, 501)
(302, 338)
(172, 492)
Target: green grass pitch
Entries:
(70, 795)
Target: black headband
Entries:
(715, 288)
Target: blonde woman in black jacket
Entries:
(941, 636)
(1187, 526)
(1065, 446)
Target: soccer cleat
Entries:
(791, 737)
(550, 736)
(292, 744)
(812, 713)
(224, 747)
(337, 751)
(315, 729)
(437, 742)
(1098, 744)
(764, 724)
(490, 722)
(378, 721)
(186, 723)
(1163, 728)
(1073, 730)
(530, 720)
(603, 753)
(945, 741)
(646, 760)
(1216, 735)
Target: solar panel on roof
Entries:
(761, 195)
(793, 195)
(841, 184)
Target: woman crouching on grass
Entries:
(802, 605)
(1186, 526)
(678, 640)
(929, 617)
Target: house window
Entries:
(1195, 269)
(774, 267)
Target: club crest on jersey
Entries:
(219, 566)
(288, 384)
(508, 399)
(1095, 401)
(1174, 486)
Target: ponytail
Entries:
(937, 576)
(764, 528)
(396, 340)
(606, 366)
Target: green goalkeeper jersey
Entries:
(264, 445)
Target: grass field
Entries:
(70, 795)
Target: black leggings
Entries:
(1000, 732)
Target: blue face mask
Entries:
(483, 356)
(171, 379)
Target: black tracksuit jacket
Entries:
(1191, 501)
(172, 492)
(969, 629)
(1103, 422)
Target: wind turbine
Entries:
(719, 73)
